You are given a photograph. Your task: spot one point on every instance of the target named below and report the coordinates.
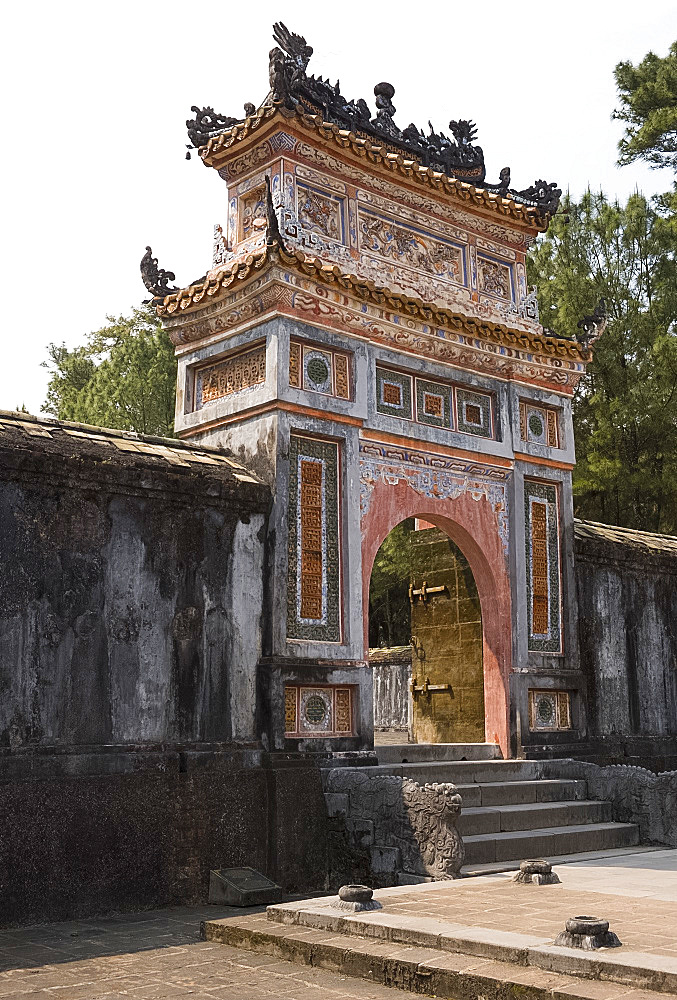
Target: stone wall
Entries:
(131, 610)
(627, 608)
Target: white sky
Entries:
(96, 96)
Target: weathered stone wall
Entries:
(131, 613)
(131, 594)
(627, 612)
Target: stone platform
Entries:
(489, 936)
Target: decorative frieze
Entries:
(411, 248)
(435, 403)
(319, 711)
(437, 477)
(549, 710)
(314, 568)
(233, 374)
(541, 521)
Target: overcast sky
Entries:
(96, 96)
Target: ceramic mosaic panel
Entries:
(313, 612)
(411, 248)
(549, 710)
(473, 413)
(393, 393)
(541, 517)
(318, 369)
(252, 207)
(433, 403)
(230, 375)
(320, 212)
(494, 277)
(319, 711)
(539, 424)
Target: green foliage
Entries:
(648, 95)
(389, 608)
(124, 376)
(625, 408)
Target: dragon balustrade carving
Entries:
(420, 820)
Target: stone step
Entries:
(427, 957)
(531, 816)
(499, 793)
(414, 753)
(465, 772)
(548, 842)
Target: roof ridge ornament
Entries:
(291, 86)
(273, 235)
(592, 327)
(155, 278)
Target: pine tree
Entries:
(625, 408)
(124, 376)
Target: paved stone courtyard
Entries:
(158, 954)
(636, 893)
(149, 956)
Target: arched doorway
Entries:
(475, 520)
(425, 639)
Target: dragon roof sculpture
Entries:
(291, 87)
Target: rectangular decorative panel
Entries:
(433, 403)
(313, 612)
(319, 369)
(473, 413)
(252, 207)
(411, 248)
(341, 376)
(549, 710)
(320, 212)
(494, 277)
(295, 364)
(393, 393)
(543, 566)
(539, 424)
(318, 711)
(230, 375)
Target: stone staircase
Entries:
(510, 810)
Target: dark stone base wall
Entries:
(145, 831)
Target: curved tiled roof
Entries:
(216, 152)
(217, 283)
(649, 542)
(63, 439)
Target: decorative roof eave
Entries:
(217, 152)
(217, 283)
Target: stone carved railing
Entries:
(417, 823)
(637, 795)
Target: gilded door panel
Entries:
(446, 630)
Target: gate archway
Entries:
(472, 519)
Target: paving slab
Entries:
(159, 956)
